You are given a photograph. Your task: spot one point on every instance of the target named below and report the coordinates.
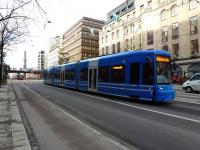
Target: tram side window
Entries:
(50, 75)
(67, 76)
(134, 73)
(104, 74)
(117, 74)
(148, 74)
(72, 74)
(45, 75)
(57, 75)
(84, 74)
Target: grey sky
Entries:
(63, 14)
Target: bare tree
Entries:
(14, 20)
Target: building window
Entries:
(102, 40)
(164, 15)
(106, 50)
(103, 51)
(113, 48)
(124, 9)
(128, 16)
(194, 47)
(113, 35)
(193, 25)
(141, 8)
(133, 28)
(118, 33)
(133, 14)
(149, 4)
(175, 31)
(176, 50)
(164, 34)
(174, 11)
(193, 4)
(149, 37)
(165, 48)
(106, 38)
(118, 47)
(131, 5)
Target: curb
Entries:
(19, 137)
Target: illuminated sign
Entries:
(162, 59)
(117, 67)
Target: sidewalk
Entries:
(12, 132)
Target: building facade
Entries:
(53, 53)
(171, 25)
(81, 41)
(41, 60)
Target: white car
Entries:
(193, 84)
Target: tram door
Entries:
(93, 75)
(93, 79)
(62, 77)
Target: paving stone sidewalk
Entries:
(12, 131)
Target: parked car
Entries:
(193, 84)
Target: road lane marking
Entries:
(137, 107)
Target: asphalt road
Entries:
(142, 125)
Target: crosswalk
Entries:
(188, 97)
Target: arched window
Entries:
(174, 10)
(163, 14)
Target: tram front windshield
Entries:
(163, 70)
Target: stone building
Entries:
(81, 41)
(171, 25)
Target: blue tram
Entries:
(144, 75)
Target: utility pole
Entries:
(25, 60)
(25, 63)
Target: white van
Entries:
(193, 84)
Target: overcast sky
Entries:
(62, 14)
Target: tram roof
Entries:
(136, 52)
(125, 53)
